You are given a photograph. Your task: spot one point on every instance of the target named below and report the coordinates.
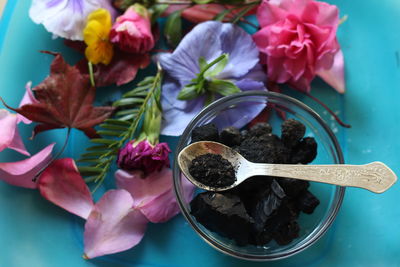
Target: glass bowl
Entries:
(313, 226)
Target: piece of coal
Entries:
(307, 202)
(292, 132)
(207, 132)
(223, 213)
(305, 152)
(212, 170)
(260, 129)
(293, 187)
(230, 136)
(286, 233)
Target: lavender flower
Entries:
(66, 18)
(208, 41)
(144, 157)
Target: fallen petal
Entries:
(21, 173)
(9, 136)
(153, 195)
(28, 98)
(113, 225)
(62, 184)
(335, 75)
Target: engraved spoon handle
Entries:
(375, 176)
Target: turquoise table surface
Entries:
(33, 232)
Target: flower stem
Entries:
(215, 61)
(91, 75)
(329, 110)
(54, 158)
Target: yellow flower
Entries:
(96, 36)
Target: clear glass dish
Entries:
(312, 226)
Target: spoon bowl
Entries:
(375, 177)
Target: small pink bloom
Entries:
(297, 39)
(62, 184)
(113, 225)
(22, 172)
(9, 137)
(154, 195)
(144, 157)
(132, 31)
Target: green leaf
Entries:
(102, 141)
(92, 154)
(218, 67)
(223, 87)
(242, 13)
(96, 148)
(147, 81)
(128, 102)
(126, 112)
(188, 92)
(114, 127)
(156, 11)
(117, 122)
(128, 117)
(173, 28)
(202, 63)
(85, 171)
(221, 16)
(201, 2)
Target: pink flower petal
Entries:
(9, 136)
(28, 98)
(62, 184)
(153, 195)
(21, 173)
(113, 225)
(335, 76)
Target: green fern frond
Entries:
(118, 130)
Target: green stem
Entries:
(54, 158)
(91, 75)
(215, 61)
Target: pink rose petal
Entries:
(153, 195)
(21, 173)
(62, 184)
(28, 98)
(9, 136)
(335, 75)
(113, 225)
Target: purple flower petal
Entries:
(182, 65)
(66, 18)
(62, 184)
(113, 225)
(22, 172)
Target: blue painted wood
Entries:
(34, 232)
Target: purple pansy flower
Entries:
(66, 18)
(209, 40)
(143, 156)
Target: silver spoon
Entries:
(375, 176)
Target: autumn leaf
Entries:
(65, 99)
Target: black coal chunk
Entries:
(292, 132)
(307, 202)
(207, 132)
(260, 129)
(305, 152)
(285, 233)
(293, 187)
(223, 213)
(212, 170)
(230, 136)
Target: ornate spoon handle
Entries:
(375, 176)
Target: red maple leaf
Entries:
(65, 100)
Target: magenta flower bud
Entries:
(132, 31)
(144, 157)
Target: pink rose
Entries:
(132, 31)
(297, 41)
(144, 157)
